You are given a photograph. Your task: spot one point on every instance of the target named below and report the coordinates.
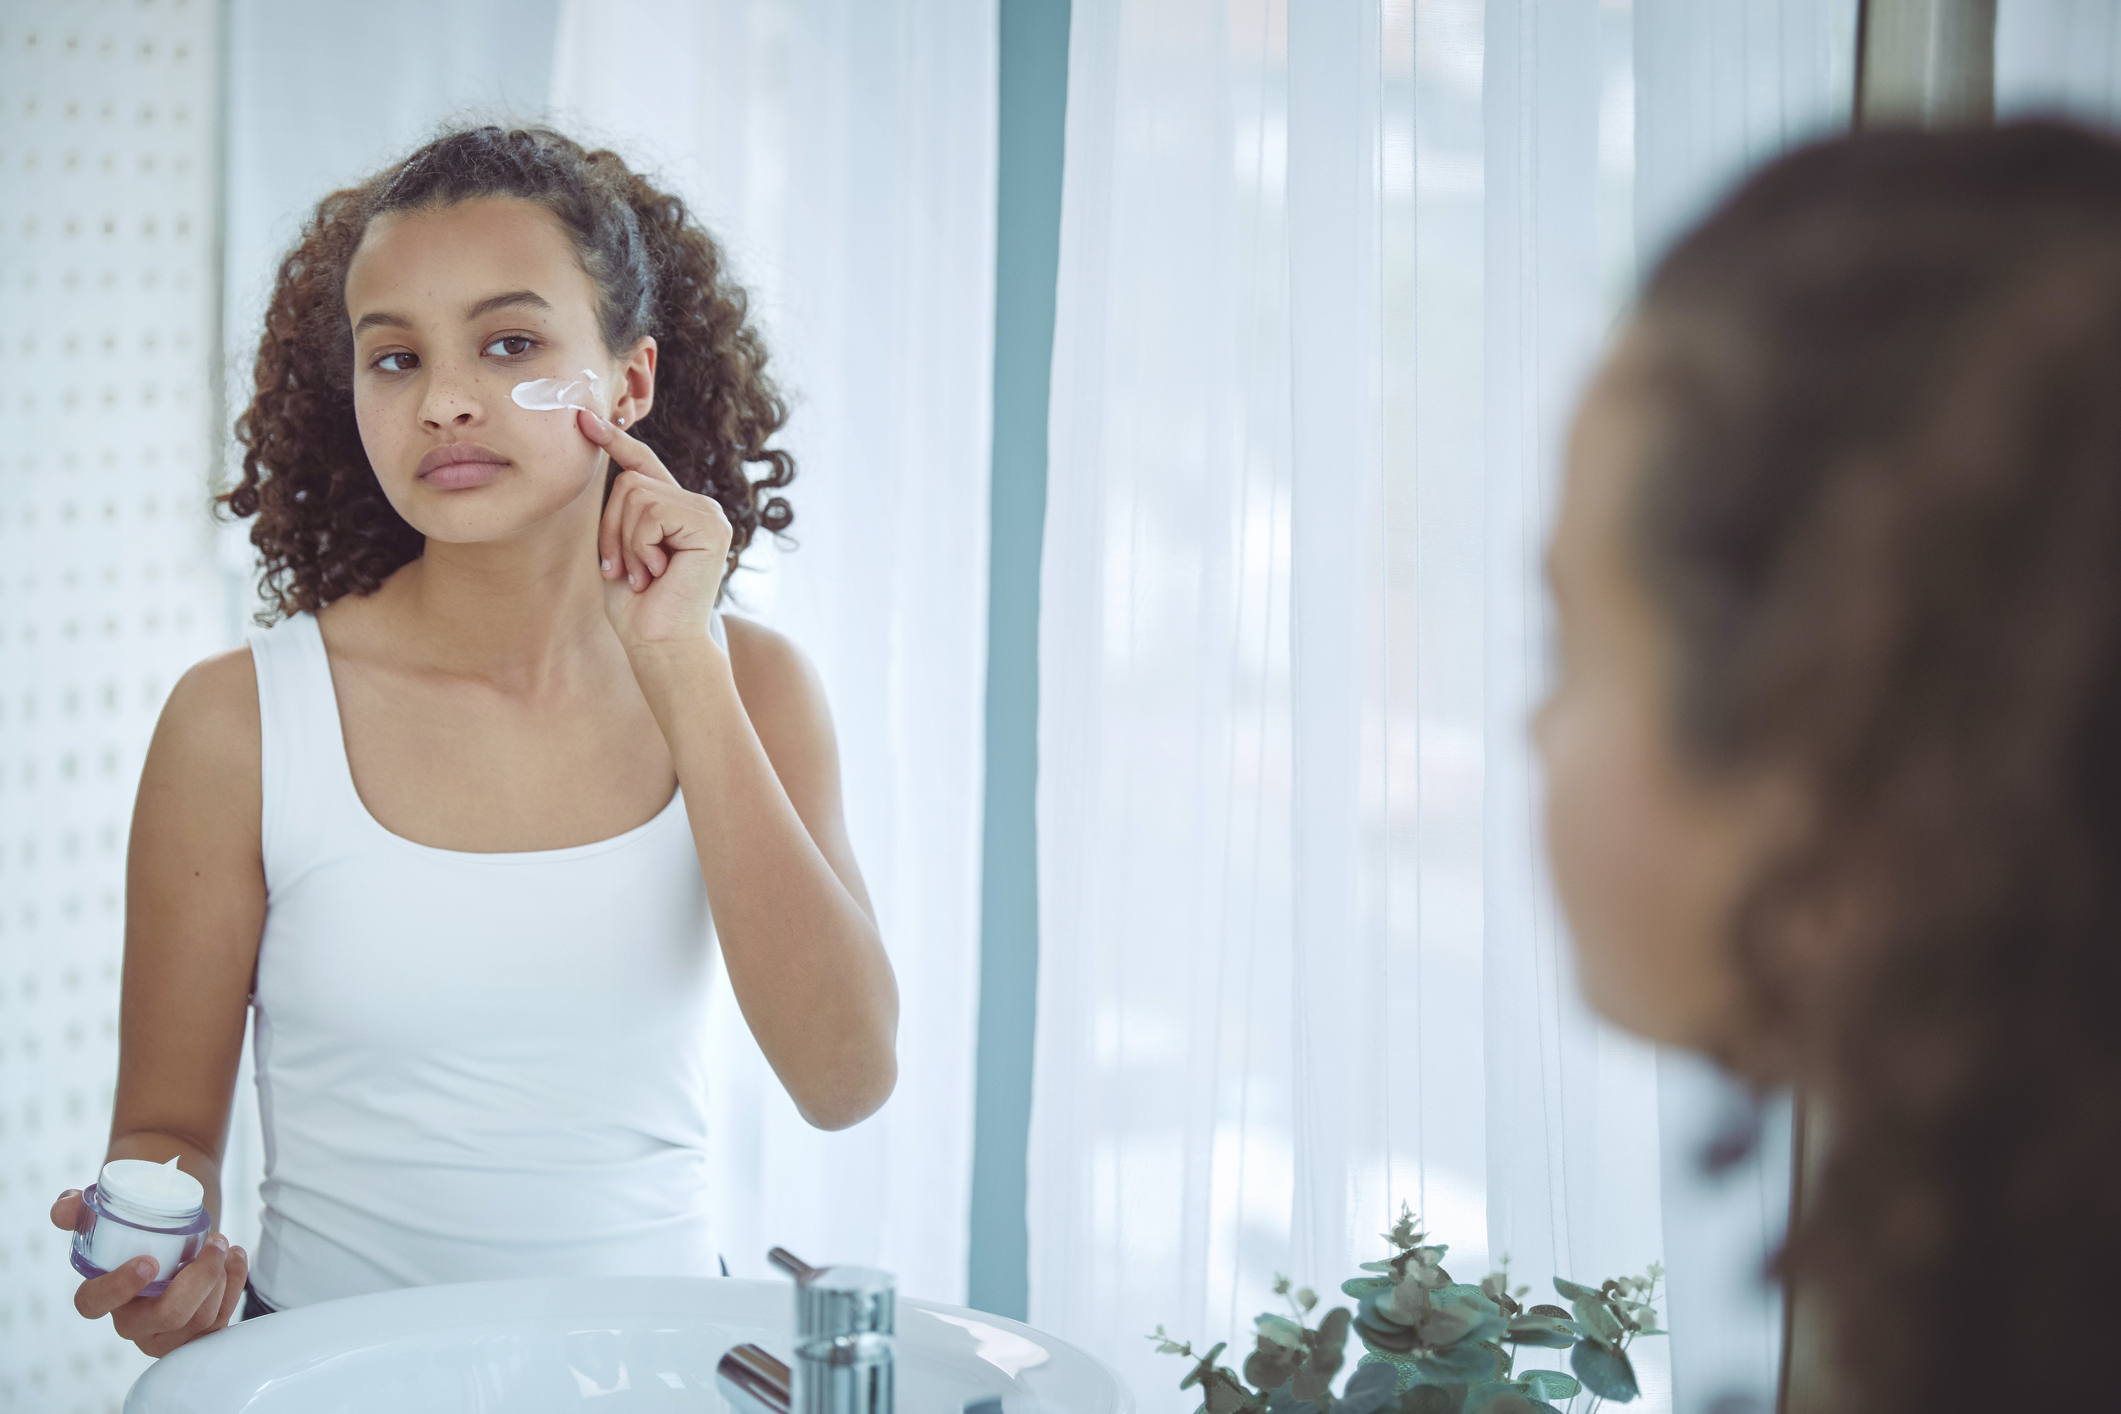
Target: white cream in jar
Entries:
(140, 1209)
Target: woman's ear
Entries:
(635, 390)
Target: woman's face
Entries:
(1648, 859)
(450, 310)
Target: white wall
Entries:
(107, 588)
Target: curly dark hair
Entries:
(324, 527)
(1883, 516)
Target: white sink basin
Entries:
(613, 1343)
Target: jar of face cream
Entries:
(140, 1209)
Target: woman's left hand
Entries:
(662, 549)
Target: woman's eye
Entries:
(396, 363)
(510, 345)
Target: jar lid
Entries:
(161, 1189)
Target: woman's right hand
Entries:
(201, 1298)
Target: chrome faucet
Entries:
(846, 1319)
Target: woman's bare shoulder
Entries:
(783, 696)
(773, 673)
(218, 693)
(208, 737)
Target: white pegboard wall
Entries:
(107, 587)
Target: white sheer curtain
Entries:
(843, 151)
(1331, 277)
(2059, 56)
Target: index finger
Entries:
(627, 452)
(67, 1211)
(99, 1296)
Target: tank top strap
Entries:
(306, 788)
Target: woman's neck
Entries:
(520, 614)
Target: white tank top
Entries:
(469, 1065)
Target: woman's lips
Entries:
(461, 464)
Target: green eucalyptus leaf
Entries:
(1604, 1371)
(1281, 1331)
(1226, 1396)
(1407, 1303)
(1549, 1384)
(1447, 1325)
(1544, 1310)
(1322, 1360)
(1576, 1293)
(1404, 1233)
(1487, 1323)
(1598, 1322)
(1313, 1385)
(1461, 1364)
(1360, 1287)
(1271, 1365)
(1370, 1389)
(1380, 1334)
(1200, 1372)
(1496, 1287)
(1546, 1332)
(1404, 1375)
(1283, 1402)
(1496, 1397)
(1433, 1399)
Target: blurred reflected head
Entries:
(1836, 750)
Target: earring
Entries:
(622, 422)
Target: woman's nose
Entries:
(449, 407)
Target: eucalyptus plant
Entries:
(1432, 1345)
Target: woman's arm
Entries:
(753, 745)
(194, 909)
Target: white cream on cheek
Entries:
(561, 394)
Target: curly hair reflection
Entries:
(324, 528)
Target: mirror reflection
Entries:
(1241, 706)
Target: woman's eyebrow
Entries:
(379, 320)
(527, 298)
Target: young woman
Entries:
(467, 824)
(1835, 753)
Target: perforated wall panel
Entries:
(107, 587)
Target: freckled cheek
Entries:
(381, 438)
(549, 444)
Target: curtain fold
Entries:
(843, 152)
(1331, 279)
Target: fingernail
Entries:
(70, 1193)
(146, 1267)
(221, 1241)
(604, 565)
